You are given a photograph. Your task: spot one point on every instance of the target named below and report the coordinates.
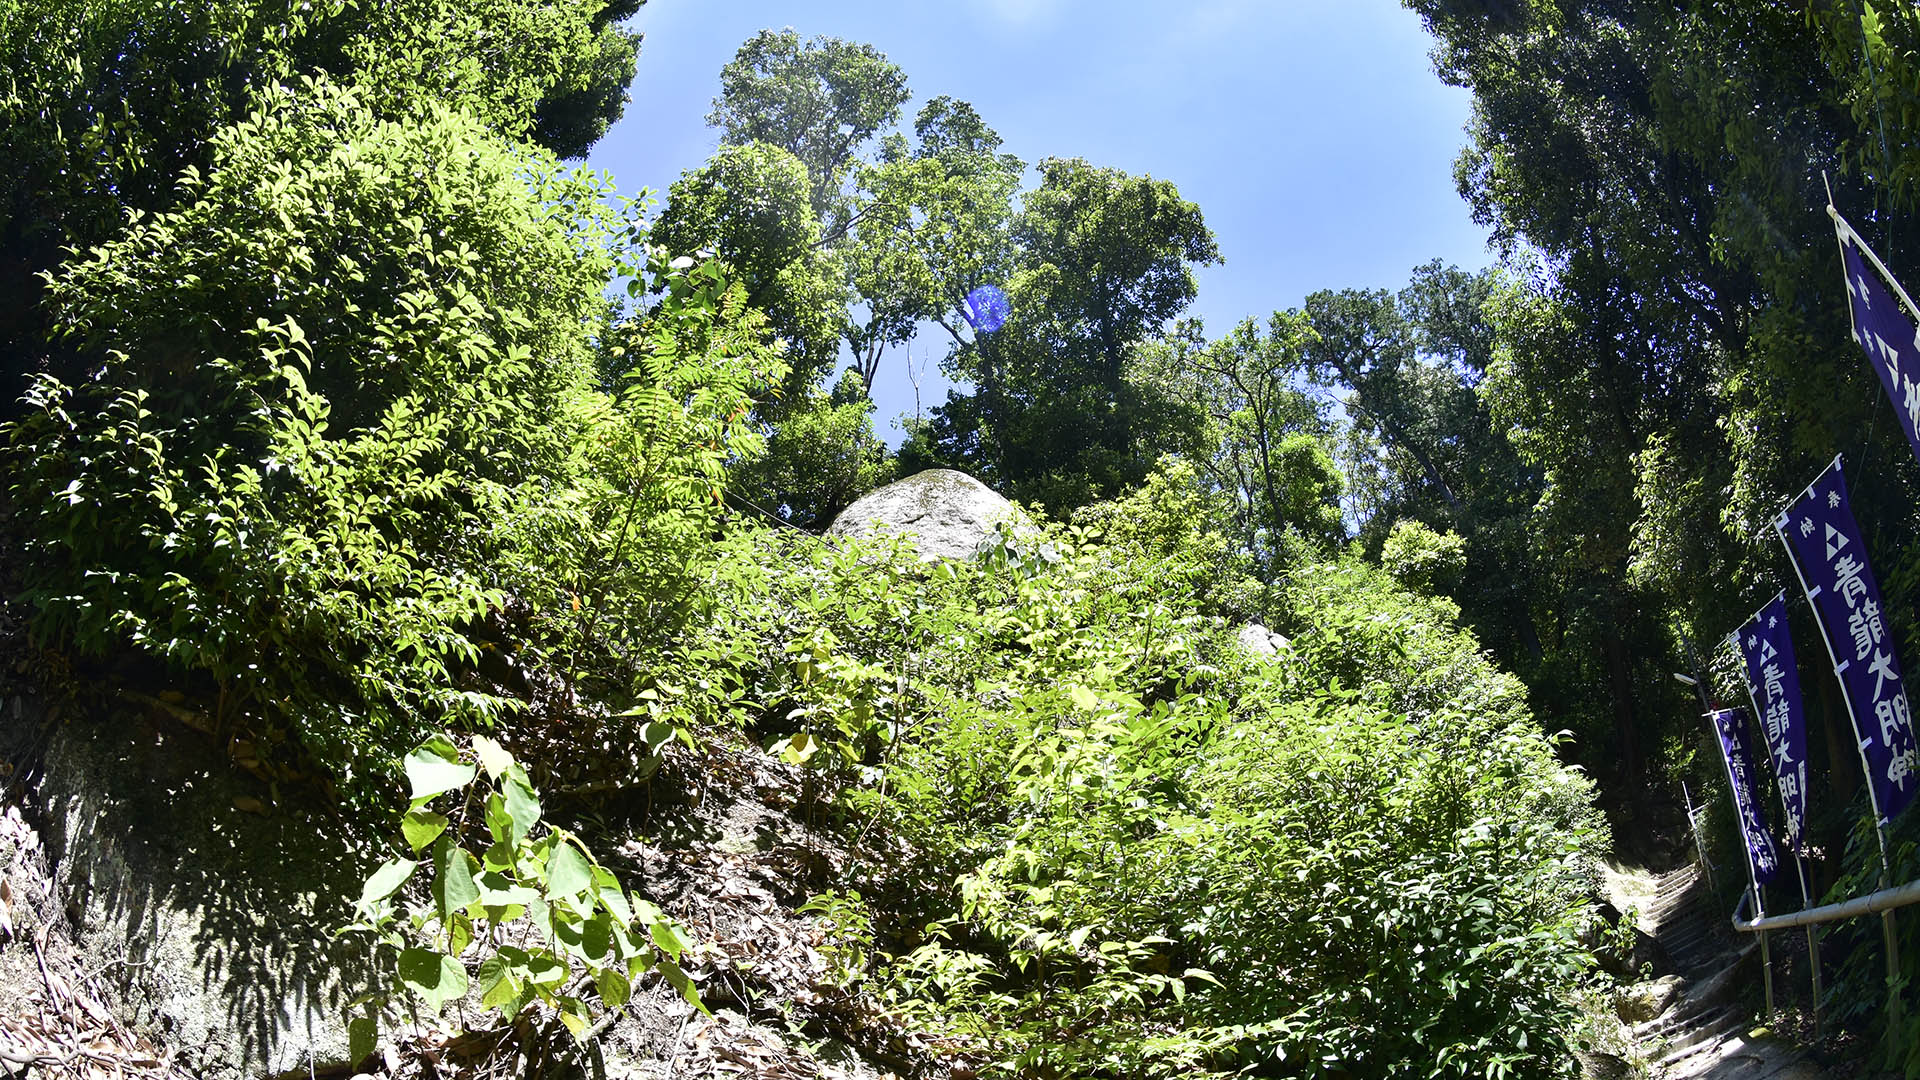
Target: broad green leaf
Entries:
(678, 979)
(545, 970)
(493, 757)
(499, 822)
(420, 827)
(670, 939)
(431, 773)
(363, 1038)
(499, 989)
(434, 977)
(615, 901)
(568, 871)
(523, 806)
(596, 937)
(797, 749)
(387, 880)
(453, 887)
(614, 988)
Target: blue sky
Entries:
(1312, 133)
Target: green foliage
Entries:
(821, 457)
(1421, 559)
(819, 101)
(342, 420)
(521, 912)
(1101, 262)
(933, 223)
(1170, 859)
(1260, 438)
(322, 390)
(748, 204)
(107, 101)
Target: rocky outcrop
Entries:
(1259, 641)
(947, 514)
(207, 911)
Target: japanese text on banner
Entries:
(1766, 647)
(1732, 727)
(1826, 545)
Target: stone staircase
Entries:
(1702, 1033)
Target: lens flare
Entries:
(987, 309)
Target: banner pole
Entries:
(1813, 943)
(1894, 1009)
(1843, 229)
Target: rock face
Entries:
(211, 917)
(1260, 641)
(947, 514)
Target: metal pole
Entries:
(1894, 1008)
(1813, 943)
(1753, 873)
(1870, 904)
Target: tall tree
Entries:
(107, 103)
(821, 101)
(1262, 437)
(1679, 364)
(935, 222)
(1103, 261)
(748, 204)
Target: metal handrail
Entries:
(1872, 903)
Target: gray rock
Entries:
(213, 922)
(1641, 1002)
(1260, 641)
(947, 514)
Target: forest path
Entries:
(1703, 1033)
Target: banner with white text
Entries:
(1732, 727)
(1884, 329)
(1827, 550)
(1766, 647)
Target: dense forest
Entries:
(344, 408)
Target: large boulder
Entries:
(947, 514)
(208, 911)
(1258, 641)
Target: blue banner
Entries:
(1746, 793)
(1831, 558)
(1773, 681)
(1884, 330)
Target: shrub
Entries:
(320, 392)
(531, 922)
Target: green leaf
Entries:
(453, 887)
(596, 937)
(433, 977)
(523, 806)
(387, 880)
(797, 749)
(435, 769)
(421, 826)
(493, 757)
(499, 989)
(670, 939)
(614, 988)
(363, 1038)
(568, 871)
(615, 901)
(678, 979)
